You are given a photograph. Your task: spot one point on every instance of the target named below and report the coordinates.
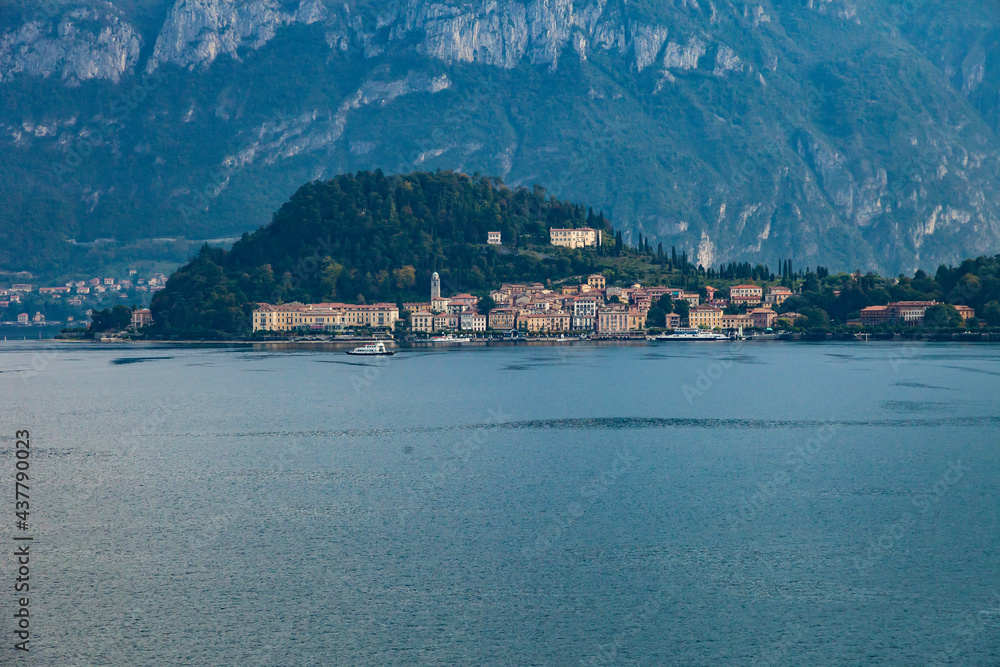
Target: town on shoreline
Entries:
(591, 309)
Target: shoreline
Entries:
(982, 338)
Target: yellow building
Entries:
(545, 322)
(503, 318)
(705, 317)
(596, 281)
(636, 319)
(575, 238)
(326, 316)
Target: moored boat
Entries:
(451, 338)
(376, 349)
(691, 333)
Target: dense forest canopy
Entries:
(368, 237)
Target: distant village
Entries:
(77, 299)
(592, 307)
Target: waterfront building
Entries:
(872, 316)
(142, 317)
(735, 321)
(447, 322)
(965, 311)
(544, 322)
(637, 319)
(323, 316)
(503, 318)
(584, 311)
(705, 317)
(422, 320)
(612, 318)
(910, 313)
(763, 318)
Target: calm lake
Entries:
(671, 504)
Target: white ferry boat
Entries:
(372, 349)
(451, 338)
(691, 333)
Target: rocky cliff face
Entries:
(502, 34)
(853, 134)
(89, 42)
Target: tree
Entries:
(811, 283)
(943, 316)
(485, 305)
(682, 308)
(111, 319)
(991, 313)
(656, 317)
(816, 318)
(329, 274)
(405, 277)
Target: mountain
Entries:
(829, 131)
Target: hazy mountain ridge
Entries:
(824, 130)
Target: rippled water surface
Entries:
(681, 504)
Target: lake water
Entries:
(680, 504)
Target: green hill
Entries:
(368, 237)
